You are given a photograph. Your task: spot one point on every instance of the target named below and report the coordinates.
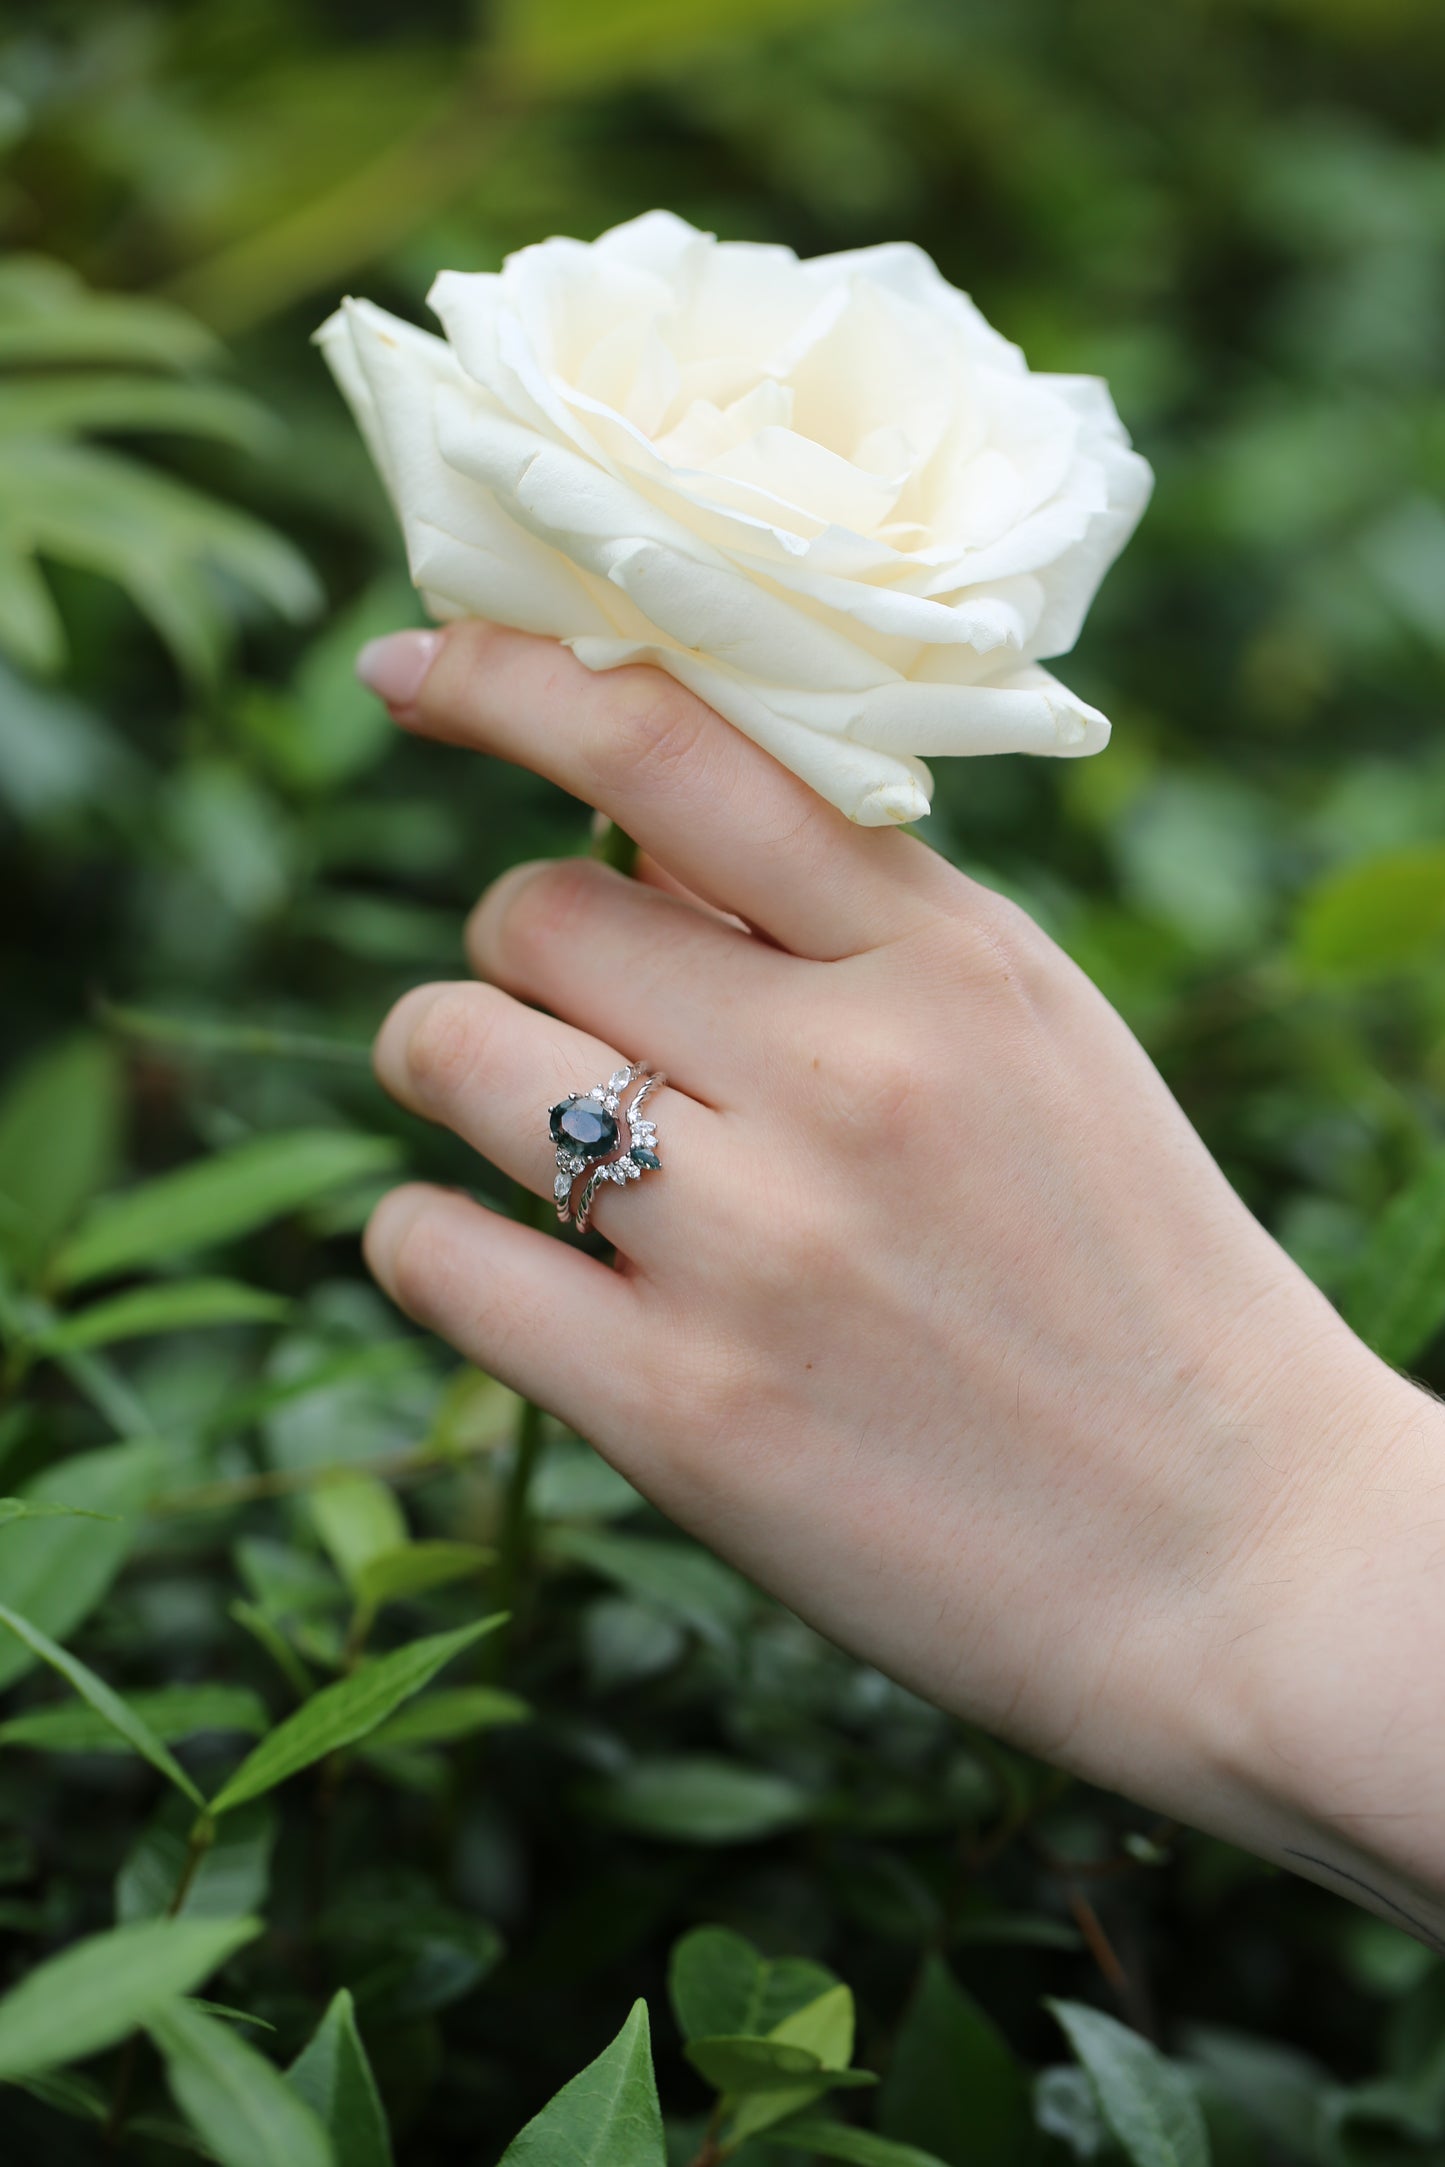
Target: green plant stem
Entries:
(198, 1843)
(258, 1040)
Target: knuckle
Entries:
(863, 1083)
(448, 1043)
(1010, 950)
(646, 729)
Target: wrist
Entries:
(1321, 1730)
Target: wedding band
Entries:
(599, 1139)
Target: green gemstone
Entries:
(640, 1156)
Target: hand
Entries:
(939, 1321)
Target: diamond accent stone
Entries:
(619, 1079)
(562, 1187)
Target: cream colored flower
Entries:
(824, 494)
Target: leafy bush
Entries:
(263, 1734)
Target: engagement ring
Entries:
(598, 1139)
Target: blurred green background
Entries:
(1236, 212)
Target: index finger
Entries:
(719, 813)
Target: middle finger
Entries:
(636, 966)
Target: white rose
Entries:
(823, 494)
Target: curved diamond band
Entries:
(598, 1139)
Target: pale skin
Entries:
(938, 1321)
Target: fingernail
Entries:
(395, 667)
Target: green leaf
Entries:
(63, 1566)
(1148, 2103)
(217, 1200)
(234, 2098)
(606, 2117)
(178, 1305)
(230, 1881)
(1396, 1296)
(837, 2140)
(107, 403)
(108, 1705)
(719, 1983)
(48, 314)
(333, 2076)
(436, 1719)
(823, 2030)
(393, 1576)
(169, 1713)
(59, 1139)
(679, 1578)
(100, 1990)
(698, 1799)
(744, 2065)
(1377, 917)
(953, 2087)
(341, 1714)
(357, 1518)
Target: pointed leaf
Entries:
(333, 2076)
(393, 1576)
(698, 1798)
(178, 1305)
(108, 1705)
(459, 1711)
(217, 1199)
(62, 1568)
(340, 1714)
(234, 2098)
(171, 1712)
(953, 2087)
(100, 1990)
(606, 2117)
(357, 1518)
(1148, 2103)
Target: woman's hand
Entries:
(938, 1321)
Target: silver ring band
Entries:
(599, 1139)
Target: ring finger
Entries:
(487, 1067)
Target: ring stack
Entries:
(599, 1139)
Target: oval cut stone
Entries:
(584, 1126)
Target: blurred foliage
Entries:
(252, 1513)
